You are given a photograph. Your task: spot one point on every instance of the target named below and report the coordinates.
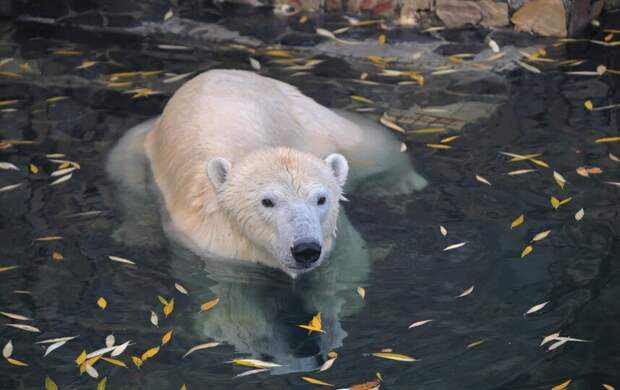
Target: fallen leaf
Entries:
(55, 340)
(255, 64)
(520, 172)
(316, 381)
(483, 180)
(381, 39)
(613, 157)
(14, 316)
(115, 362)
(588, 105)
(16, 362)
(608, 387)
(8, 268)
(419, 323)
(251, 372)
(8, 166)
(429, 130)
(11, 187)
(526, 251)
(443, 230)
(86, 64)
(209, 305)
(448, 139)
(361, 292)
(110, 340)
(254, 363)
(454, 246)
(536, 308)
(518, 221)
(149, 353)
(314, 325)
(390, 124)
(180, 289)
(91, 371)
(100, 352)
(26, 328)
(394, 356)
(541, 236)
(154, 319)
(361, 99)
(53, 347)
(607, 139)
(119, 349)
(371, 385)
(102, 303)
(474, 344)
(466, 292)
(101, 385)
(166, 337)
(199, 347)
(327, 365)
(562, 386)
(57, 256)
(7, 351)
(439, 146)
(559, 179)
(50, 384)
(579, 214)
(81, 358)
(557, 344)
(169, 307)
(121, 260)
(556, 203)
(403, 147)
(137, 361)
(62, 179)
(48, 238)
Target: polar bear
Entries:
(250, 168)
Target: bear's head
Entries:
(284, 201)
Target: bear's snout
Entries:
(306, 253)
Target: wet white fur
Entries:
(274, 138)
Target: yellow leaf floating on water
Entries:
(254, 363)
(316, 381)
(137, 361)
(81, 358)
(613, 157)
(439, 146)
(608, 387)
(166, 338)
(588, 105)
(50, 384)
(361, 292)
(8, 268)
(314, 325)
(539, 162)
(16, 362)
(562, 386)
(48, 238)
(57, 256)
(34, 169)
(556, 203)
(102, 303)
(466, 292)
(390, 124)
(163, 300)
(86, 64)
(541, 236)
(526, 251)
(149, 353)
(209, 305)
(361, 99)
(607, 139)
(200, 347)
(559, 179)
(101, 385)
(115, 362)
(429, 130)
(394, 356)
(519, 221)
(382, 39)
(371, 385)
(449, 139)
(169, 307)
(474, 344)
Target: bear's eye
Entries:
(321, 201)
(267, 202)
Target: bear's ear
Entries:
(339, 166)
(217, 170)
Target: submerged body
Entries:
(250, 168)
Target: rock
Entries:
(417, 4)
(494, 14)
(596, 9)
(516, 4)
(457, 13)
(579, 16)
(543, 17)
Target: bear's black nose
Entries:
(306, 252)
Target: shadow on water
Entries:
(411, 278)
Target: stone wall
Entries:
(543, 17)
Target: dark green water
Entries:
(410, 277)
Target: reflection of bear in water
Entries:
(238, 128)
